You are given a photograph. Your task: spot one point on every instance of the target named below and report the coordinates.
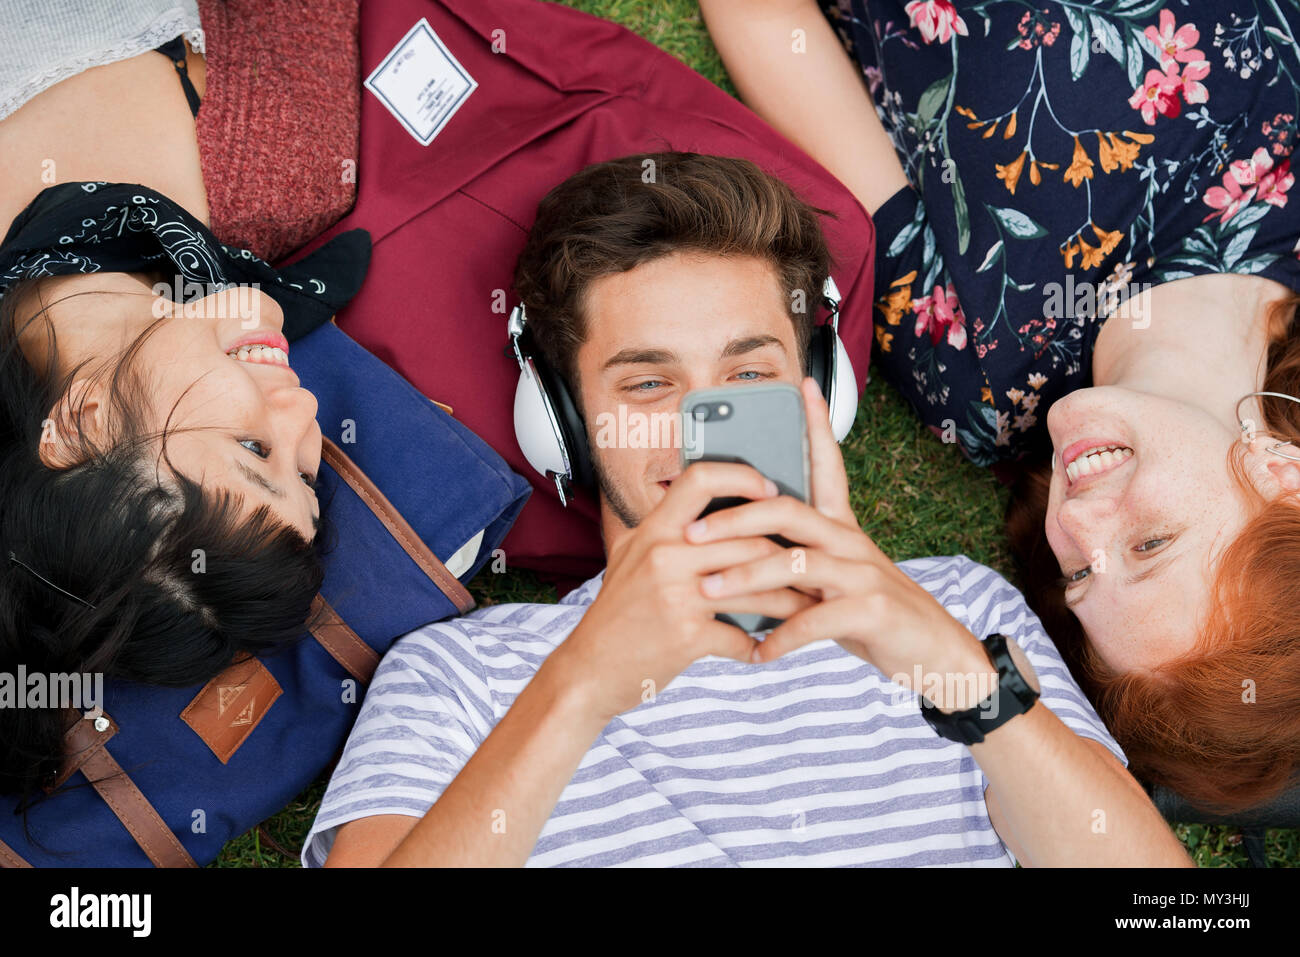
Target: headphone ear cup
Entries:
(573, 430)
(821, 358)
(537, 427)
(843, 399)
(832, 370)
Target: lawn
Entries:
(913, 495)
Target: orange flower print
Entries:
(1080, 167)
(1069, 250)
(1010, 174)
(1114, 153)
(1092, 255)
(898, 300)
(1109, 238)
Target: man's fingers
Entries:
(827, 619)
(702, 482)
(713, 556)
(830, 482)
(727, 641)
(788, 517)
(803, 568)
(773, 603)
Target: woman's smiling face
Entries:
(219, 381)
(1143, 500)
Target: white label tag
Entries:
(421, 83)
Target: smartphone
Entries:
(758, 425)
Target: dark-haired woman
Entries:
(1088, 257)
(157, 454)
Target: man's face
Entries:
(685, 321)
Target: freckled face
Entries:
(1142, 501)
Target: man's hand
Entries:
(651, 619)
(865, 602)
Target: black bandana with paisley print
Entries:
(117, 227)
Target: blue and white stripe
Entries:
(815, 759)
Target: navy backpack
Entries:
(167, 776)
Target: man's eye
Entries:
(640, 386)
(1080, 575)
(256, 447)
(752, 372)
(1151, 545)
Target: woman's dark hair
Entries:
(181, 581)
(1219, 725)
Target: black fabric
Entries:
(175, 51)
(118, 227)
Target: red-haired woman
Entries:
(1087, 258)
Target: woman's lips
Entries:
(267, 337)
(1074, 450)
(1092, 460)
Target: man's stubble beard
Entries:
(612, 493)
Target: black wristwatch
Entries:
(1011, 697)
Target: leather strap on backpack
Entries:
(85, 751)
(397, 526)
(9, 857)
(342, 642)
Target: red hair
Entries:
(1220, 725)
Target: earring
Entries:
(1246, 429)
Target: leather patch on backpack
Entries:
(230, 706)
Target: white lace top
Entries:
(45, 41)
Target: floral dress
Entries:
(1065, 156)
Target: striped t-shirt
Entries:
(813, 759)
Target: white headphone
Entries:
(553, 436)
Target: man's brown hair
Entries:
(616, 215)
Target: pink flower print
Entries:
(1229, 197)
(1158, 94)
(938, 312)
(1176, 46)
(1274, 184)
(936, 19)
(1194, 91)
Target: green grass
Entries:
(912, 494)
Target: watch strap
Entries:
(1013, 696)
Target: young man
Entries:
(625, 725)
